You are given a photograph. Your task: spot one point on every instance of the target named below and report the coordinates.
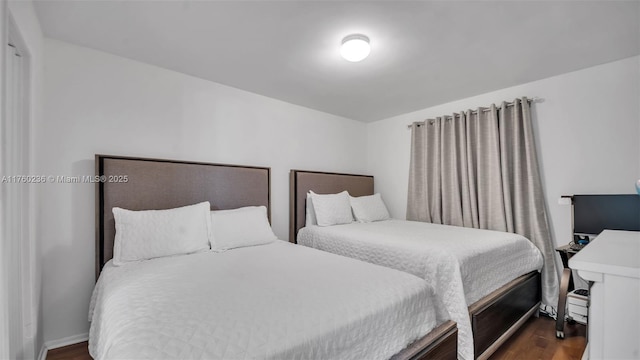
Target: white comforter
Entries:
(463, 264)
(277, 301)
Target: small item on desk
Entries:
(579, 242)
(580, 239)
(576, 246)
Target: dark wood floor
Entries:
(71, 352)
(535, 340)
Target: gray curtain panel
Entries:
(479, 169)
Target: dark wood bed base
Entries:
(494, 318)
(164, 184)
(498, 315)
(440, 343)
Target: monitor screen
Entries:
(594, 213)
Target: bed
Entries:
(276, 300)
(486, 315)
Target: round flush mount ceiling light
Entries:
(355, 47)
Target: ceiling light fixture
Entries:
(355, 47)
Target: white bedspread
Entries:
(275, 301)
(463, 264)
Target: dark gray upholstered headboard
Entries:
(300, 182)
(155, 184)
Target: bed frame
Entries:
(164, 184)
(494, 318)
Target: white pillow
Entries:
(332, 209)
(369, 208)
(247, 226)
(310, 214)
(149, 234)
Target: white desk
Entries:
(612, 263)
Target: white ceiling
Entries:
(424, 53)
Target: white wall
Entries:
(29, 40)
(586, 128)
(100, 103)
(4, 246)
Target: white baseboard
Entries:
(43, 353)
(54, 344)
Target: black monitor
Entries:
(594, 213)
